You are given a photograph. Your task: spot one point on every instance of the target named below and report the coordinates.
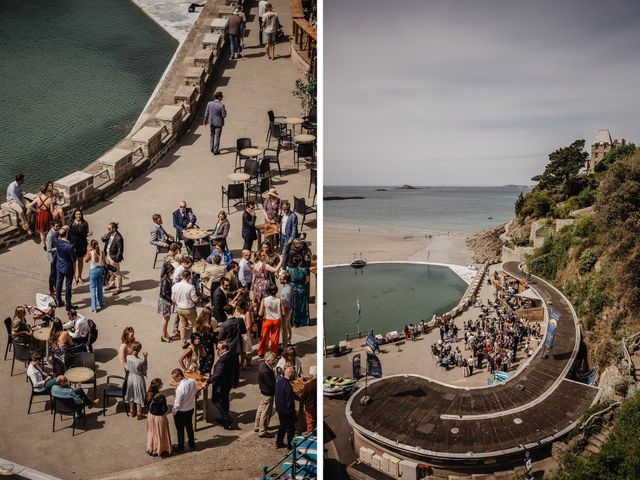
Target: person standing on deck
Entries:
(214, 117)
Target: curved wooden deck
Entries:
(422, 419)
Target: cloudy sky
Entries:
(472, 92)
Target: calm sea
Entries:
(463, 210)
(74, 76)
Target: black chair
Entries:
(113, 390)
(22, 354)
(279, 133)
(241, 144)
(43, 393)
(258, 189)
(264, 168)
(273, 158)
(235, 191)
(7, 323)
(66, 406)
(273, 119)
(304, 151)
(159, 250)
(313, 180)
(311, 120)
(87, 360)
(250, 167)
(301, 208)
(201, 251)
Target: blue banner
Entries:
(551, 330)
(373, 343)
(374, 367)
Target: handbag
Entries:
(111, 268)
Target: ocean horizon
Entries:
(426, 209)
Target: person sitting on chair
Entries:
(158, 236)
(42, 381)
(220, 251)
(78, 327)
(184, 218)
(62, 390)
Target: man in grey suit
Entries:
(159, 237)
(214, 117)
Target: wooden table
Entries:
(195, 234)
(201, 385)
(239, 177)
(41, 334)
(304, 138)
(79, 374)
(293, 121)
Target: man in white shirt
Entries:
(183, 408)
(78, 327)
(262, 6)
(245, 275)
(184, 297)
(186, 262)
(41, 381)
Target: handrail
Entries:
(292, 454)
(600, 412)
(304, 25)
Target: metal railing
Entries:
(358, 334)
(294, 456)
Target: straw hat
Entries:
(273, 193)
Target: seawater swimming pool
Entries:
(391, 295)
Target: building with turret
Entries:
(601, 146)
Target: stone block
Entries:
(118, 162)
(186, 96)
(170, 116)
(77, 187)
(218, 25)
(212, 41)
(6, 212)
(150, 139)
(205, 59)
(194, 76)
(225, 11)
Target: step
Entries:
(592, 448)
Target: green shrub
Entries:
(588, 259)
(583, 227)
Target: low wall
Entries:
(165, 119)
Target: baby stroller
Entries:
(44, 310)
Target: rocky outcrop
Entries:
(486, 245)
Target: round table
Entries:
(194, 234)
(79, 374)
(304, 138)
(251, 152)
(201, 267)
(41, 333)
(293, 121)
(238, 177)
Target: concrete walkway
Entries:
(116, 443)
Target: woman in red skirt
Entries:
(43, 206)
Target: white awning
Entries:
(529, 293)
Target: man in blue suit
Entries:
(288, 230)
(214, 117)
(222, 380)
(65, 261)
(184, 218)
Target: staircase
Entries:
(596, 441)
(300, 463)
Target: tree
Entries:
(614, 155)
(563, 167)
(519, 203)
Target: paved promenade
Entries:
(115, 443)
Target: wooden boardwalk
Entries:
(426, 420)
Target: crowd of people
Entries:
(224, 313)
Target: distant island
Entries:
(381, 189)
(408, 187)
(343, 198)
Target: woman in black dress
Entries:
(78, 233)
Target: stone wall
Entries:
(166, 118)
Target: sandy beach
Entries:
(340, 244)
